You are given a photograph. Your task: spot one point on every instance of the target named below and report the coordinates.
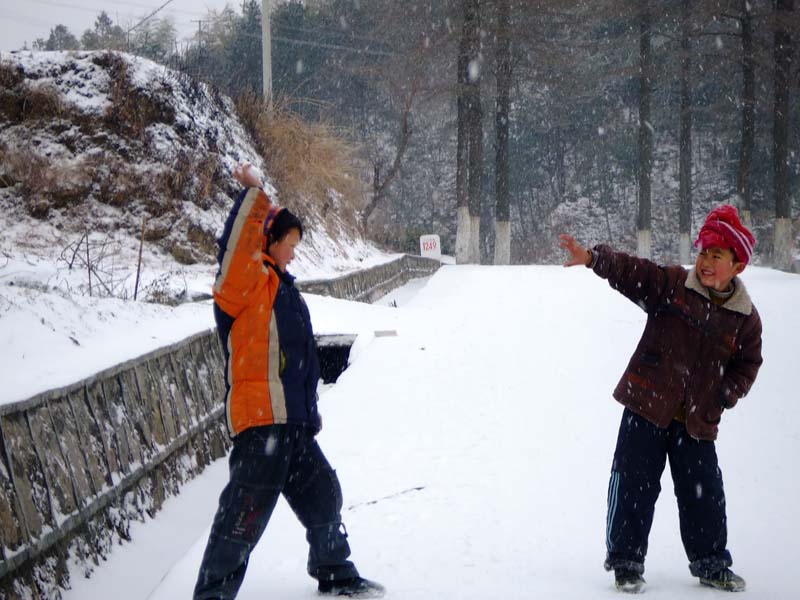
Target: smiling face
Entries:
(716, 267)
(282, 251)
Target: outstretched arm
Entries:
(640, 280)
(578, 254)
(240, 271)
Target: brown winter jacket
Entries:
(691, 351)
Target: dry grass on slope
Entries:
(56, 157)
(313, 165)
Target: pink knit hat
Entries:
(724, 230)
(272, 213)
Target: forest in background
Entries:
(607, 118)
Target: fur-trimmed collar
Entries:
(740, 301)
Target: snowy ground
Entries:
(474, 448)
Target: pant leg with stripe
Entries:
(701, 501)
(634, 486)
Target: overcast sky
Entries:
(22, 21)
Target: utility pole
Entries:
(200, 45)
(266, 51)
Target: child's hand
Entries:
(578, 254)
(247, 175)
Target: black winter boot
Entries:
(354, 587)
(725, 580)
(628, 581)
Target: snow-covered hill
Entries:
(97, 142)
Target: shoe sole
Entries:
(339, 593)
(723, 586)
(356, 596)
(636, 588)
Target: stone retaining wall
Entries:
(370, 284)
(80, 463)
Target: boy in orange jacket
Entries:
(271, 377)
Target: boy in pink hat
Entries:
(699, 354)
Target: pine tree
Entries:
(105, 35)
(60, 39)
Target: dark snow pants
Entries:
(639, 460)
(266, 462)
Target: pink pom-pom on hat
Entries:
(724, 229)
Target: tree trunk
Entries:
(782, 249)
(502, 244)
(685, 141)
(643, 219)
(462, 200)
(748, 115)
(474, 122)
(380, 188)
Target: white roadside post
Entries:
(430, 246)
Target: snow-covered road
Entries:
(474, 449)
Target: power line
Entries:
(321, 45)
(327, 31)
(318, 31)
(333, 46)
(126, 3)
(150, 15)
(128, 15)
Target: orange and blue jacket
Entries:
(271, 364)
